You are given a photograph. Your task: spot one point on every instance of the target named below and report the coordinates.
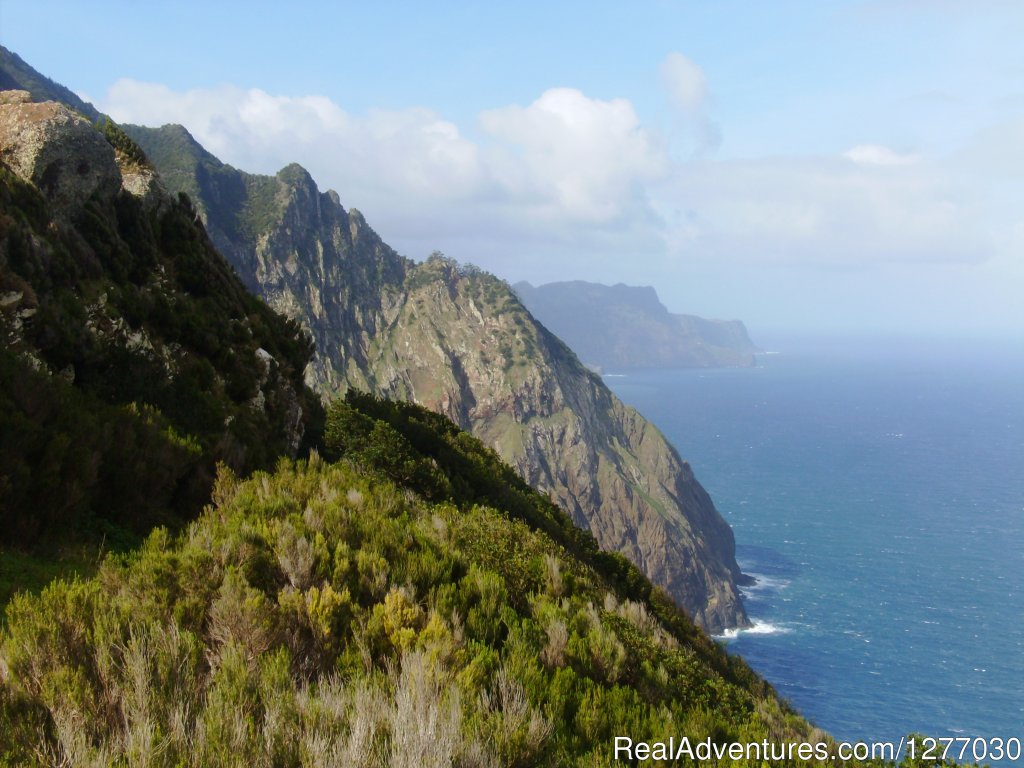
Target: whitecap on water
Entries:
(765, 628)
(764, 583)
(759, 628)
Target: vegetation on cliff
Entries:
(131, 357)
(412, 603)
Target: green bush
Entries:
(323, 613)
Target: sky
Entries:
(823, 166)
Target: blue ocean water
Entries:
(877, 494)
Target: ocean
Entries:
(877, 495)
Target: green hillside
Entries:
(413, 603)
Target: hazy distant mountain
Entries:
(623, 326)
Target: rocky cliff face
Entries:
(621, 326)
(460, 342)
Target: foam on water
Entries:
(759, 628)
(763, 583)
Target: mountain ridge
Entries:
(459, 341)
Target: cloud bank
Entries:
(566, 168)
(536, 190)
(821, 211)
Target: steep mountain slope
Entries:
(412, 604)
(15, 74)
(460, 342)
(620, 327)
(131, 357)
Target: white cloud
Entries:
(876, 154)
(574, 156)
(569, 185)
(413, 151)
(685, 81)
(687, 89)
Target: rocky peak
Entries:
(141, 182)
(298, 178)
(15, 96)
(67, 158)
(56, 150)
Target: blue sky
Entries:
(839, 167)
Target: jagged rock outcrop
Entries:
(620, 327)
(460, 342)
(56, 150)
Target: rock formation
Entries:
(56, 150)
